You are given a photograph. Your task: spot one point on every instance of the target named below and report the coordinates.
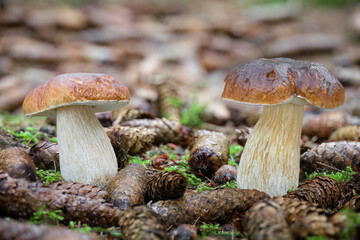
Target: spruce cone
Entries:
(117, 141)
(17, 197)
(45, 155)
(127, 114)
(17, 163)
(266, 220)
(105, 118)
(20, 199)
(165, 185)
(225, 174)
(324, 191)
(209, 152)
(348, 133)
(137, 140)
(25, 231)
(353, 204)
(324, 124)
(127, 188)
(79, 189)
(166, 93)
(184, 231)
(309, 219)
(242, 135)
(208, 206)
(165, 131)
(332, 154)
(140, 222)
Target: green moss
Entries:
(344, 176)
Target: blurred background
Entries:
(191, 44)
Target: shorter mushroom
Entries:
(86, 154)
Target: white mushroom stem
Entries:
(270, 161)
(86, 154)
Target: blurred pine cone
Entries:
(165, 185)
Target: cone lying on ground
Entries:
(209, 152)
(127, 188)
(184, 231)
(208, 206)
(26, 231)
(348, 133)
(140, 222)
(17, 163)
(165, 185)
(166, 94)
(309, 219)
(45, 155)
(225, 174)
(79, 189)
(333, 154)
(137, 140)
(322, 125)
(266, 220)
(20, 199)
(324, 191)
(126, 114)
(165, 131)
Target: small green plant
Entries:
(176, 102)
(344, 176)
(203, 187)
(318, 238)
(209, 228)
(235, 150)
(87, 229)
(41, 214)
(190, 116)
(353, 222)
(231, 184)
(183, 167)
(48, 176)
(293, 188)
(135, 159)
(30, 135)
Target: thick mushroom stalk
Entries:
(270, 161)
(86, 154)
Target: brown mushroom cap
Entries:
(274, 81)
(101, 91)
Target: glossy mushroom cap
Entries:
(101, 91)
(280, 80)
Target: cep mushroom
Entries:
(270, 161)
(86, 154)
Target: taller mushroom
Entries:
(86, 154)
(270, 161)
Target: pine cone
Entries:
(225, 174)
(165, 131)
(266, 220)
(348, 133)
(166, 93)
(242, 135)
(140, 222)
(208, 206)
(127, 114)
(20, 199)
(332, 154)
(324, 191)
(165, 185)
(79, 189)
(184, 231)
(45, 155)
(324, 124)
(309, 219)
(17, 163)
(209, 152)
(137, 140)
(25, 231)
(127, 188)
